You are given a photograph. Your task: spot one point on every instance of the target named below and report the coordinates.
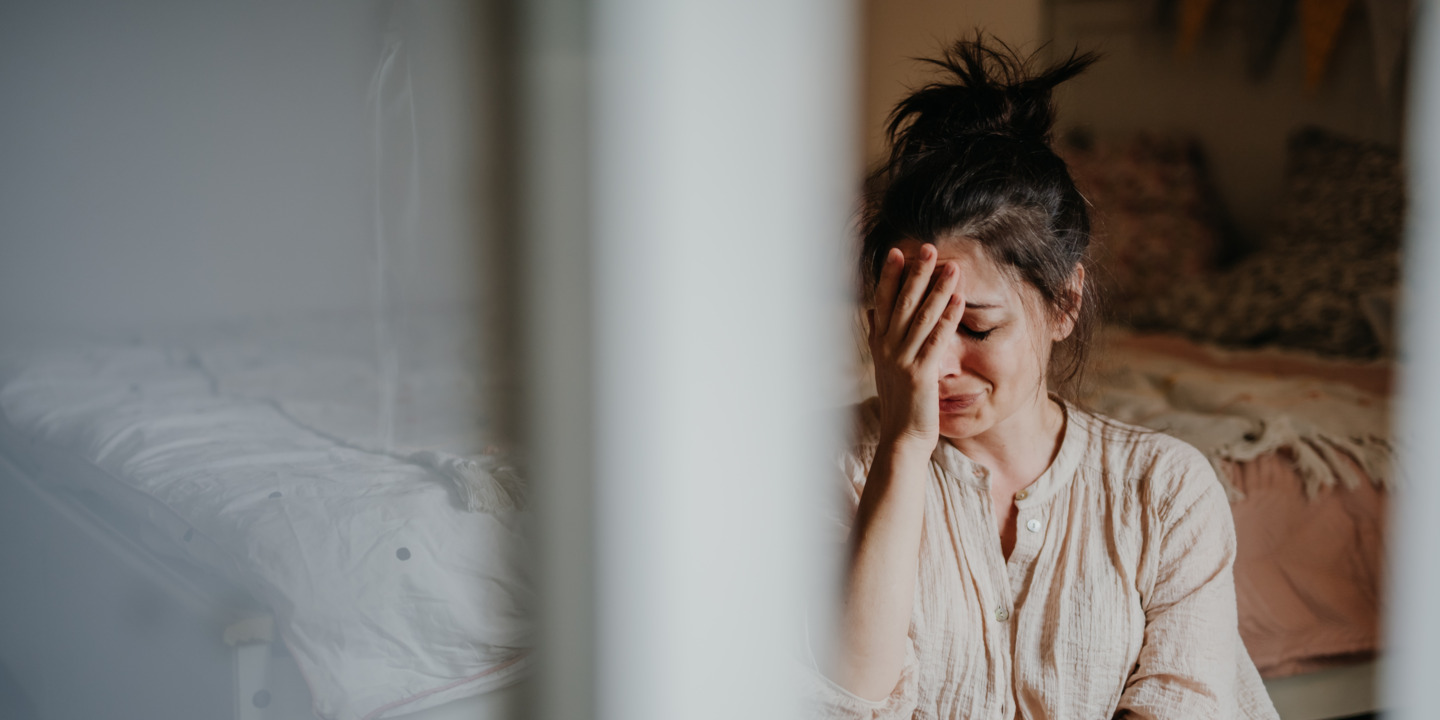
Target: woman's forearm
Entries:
(880, 587)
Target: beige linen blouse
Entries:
(1117, 600)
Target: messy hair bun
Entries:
(971, 156)
(985, 91)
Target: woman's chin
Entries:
(958, 426)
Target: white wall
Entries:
(180, 161)
(895, 32)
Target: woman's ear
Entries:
(1076, 289)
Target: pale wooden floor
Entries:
(1346, 692)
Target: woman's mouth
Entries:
(959, 403)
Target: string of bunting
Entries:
(1265, 24)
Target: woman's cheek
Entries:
(993, 362)
(1009, 367)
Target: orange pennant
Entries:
(1193, 15)
(1320, 24)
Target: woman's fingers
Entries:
(930, 312)
(946, 327)
(912, 294)
(889, 283)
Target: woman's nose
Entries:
(952, 356)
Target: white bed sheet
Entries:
(265, 457)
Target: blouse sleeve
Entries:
(832, 702)
(826, 698)
(1192, 663)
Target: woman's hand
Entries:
(909, 326)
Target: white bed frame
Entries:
(94, 625)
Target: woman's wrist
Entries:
(908, 442)
(905, 448)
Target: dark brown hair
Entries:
(971, 156)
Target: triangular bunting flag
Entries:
(1389, 26)
(1266, 22)
(1193, 15)
(1320, 25)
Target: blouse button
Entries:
(1022, 495)
(1033, 525)
(1002, 614)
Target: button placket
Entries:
(1029, 524)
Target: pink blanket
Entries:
(1309, 572)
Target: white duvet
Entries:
(335, 483)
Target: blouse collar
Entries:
(1062, 469)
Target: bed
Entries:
(273, 522)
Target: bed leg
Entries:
(252, 677)
(251, 638)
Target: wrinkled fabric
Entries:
(1117, 600)
(390, 592)
(1333, 432)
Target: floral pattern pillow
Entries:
(1153, 214)
(1316, 284)
(1341, 191)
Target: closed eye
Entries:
(977, 334)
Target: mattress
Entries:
(316, 469)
